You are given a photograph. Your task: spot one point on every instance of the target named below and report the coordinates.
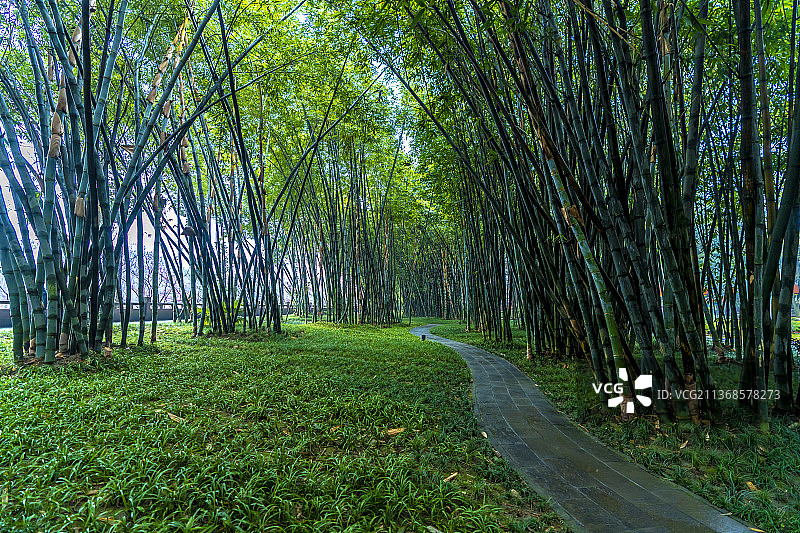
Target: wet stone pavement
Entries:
(592, 487)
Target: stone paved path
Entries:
(594, 488)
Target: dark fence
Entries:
(165, 312)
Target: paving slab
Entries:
(594, 488)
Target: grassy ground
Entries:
(324, 429)
(756, 477)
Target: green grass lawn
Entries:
(323, 429)
(755, 476)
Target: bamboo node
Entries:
(62, 100)
(56, 127)
(571, 211)
(51, 68)
(54, 150)
(80, 207)
(77, 34)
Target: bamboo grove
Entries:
(619, 179)
(133, 168)
(626, 178)
(99, 159)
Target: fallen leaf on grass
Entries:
(394, 432)
(751, 486)
(334, 428)
(109, 520)
(757, 530)
(451, 477)
(175, 418)
(685, 443)
(484, 435)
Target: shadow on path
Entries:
(594, 488)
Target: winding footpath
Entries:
(594, 488)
